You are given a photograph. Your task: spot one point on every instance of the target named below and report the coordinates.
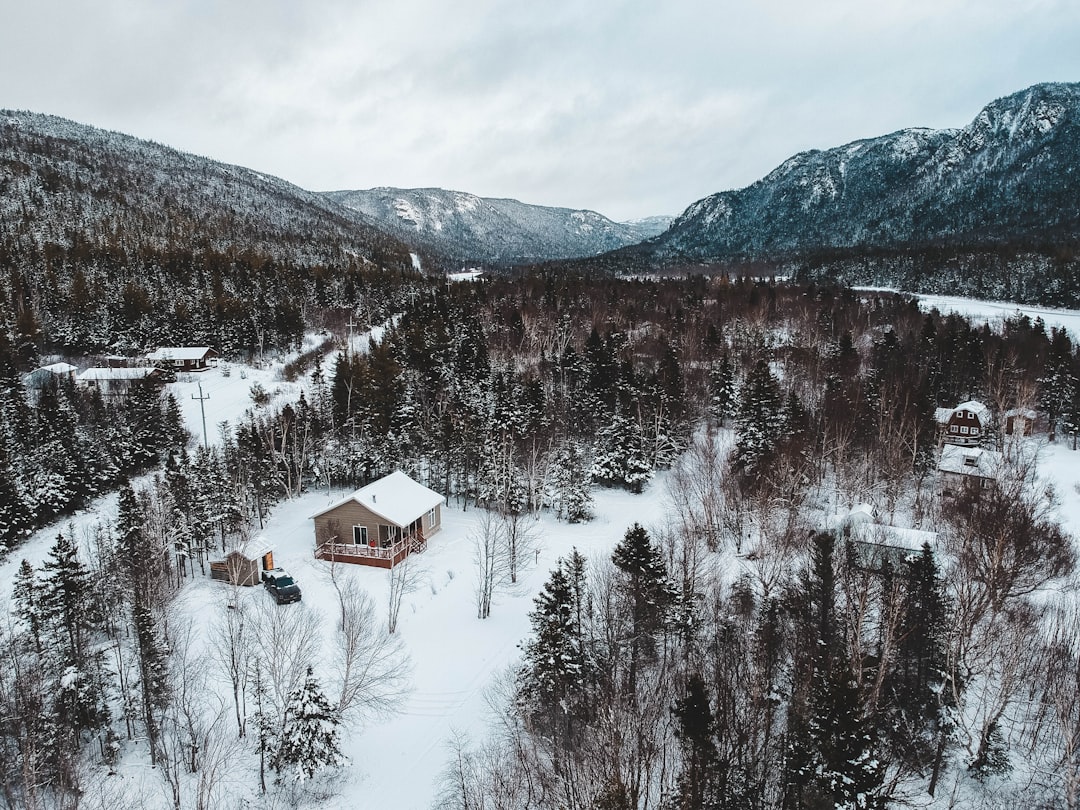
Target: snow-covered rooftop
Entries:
(396, 497)
(975, 461)
(976, 407)
(178, 353)
(100, 373)
(59, 368)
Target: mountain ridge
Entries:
(497, 230)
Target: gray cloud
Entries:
(629, 108)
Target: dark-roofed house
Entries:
(964, 425)
(380, 524)
(184, 358)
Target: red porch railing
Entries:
(378, 555)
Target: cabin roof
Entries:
(395, 497)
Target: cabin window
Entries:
(963, 430)
(974, 431)
(952, 428)
(970, 461)
(431, 518)
(359, 535)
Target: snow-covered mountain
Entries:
(1011, 174)
(67, 184)
(468, 228)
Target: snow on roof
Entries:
(465, 275)
(885, 535)
(179, 353)
(396, 497)
(254, 548)
(975, 461)
(974, 406)
(100, 373)
(943, 415)
(59, 368)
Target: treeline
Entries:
(489, 390)
(80, 300)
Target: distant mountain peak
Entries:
(467, 228)
(1006, 175)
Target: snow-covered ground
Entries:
(994, 312)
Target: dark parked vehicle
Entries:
(281, 586)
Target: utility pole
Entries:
(202, 407)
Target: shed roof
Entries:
(395, 497)
(253, 549)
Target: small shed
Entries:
(245, 563)
(1020, 421)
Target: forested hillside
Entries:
(111, 243)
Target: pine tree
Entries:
(695, 729)
(918, 694)
(647, 590)
(723, 394)
(831, 745)
(551, 679)
(309, 735)
(759, 422)
(15, 518)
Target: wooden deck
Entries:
(378, 556)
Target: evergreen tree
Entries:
(551, 680)
(620, 455)
(647, 590)
(15, 518)
(759, 422)
(723, 394)
(309, 734)
(695, 728)
(918, 695)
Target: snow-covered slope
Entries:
(468, 228)
(69, 184)
(1008, 177)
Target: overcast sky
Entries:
(628, 108)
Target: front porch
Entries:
(380, 556)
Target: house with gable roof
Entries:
(965, 425)
(380, 524)
(969, 468)
(184, 358)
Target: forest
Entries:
(652, 680)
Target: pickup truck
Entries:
(281, 586)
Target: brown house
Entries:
(964, 425)
(380, 524)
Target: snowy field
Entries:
(994, 312)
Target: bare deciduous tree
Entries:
(372, 666)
